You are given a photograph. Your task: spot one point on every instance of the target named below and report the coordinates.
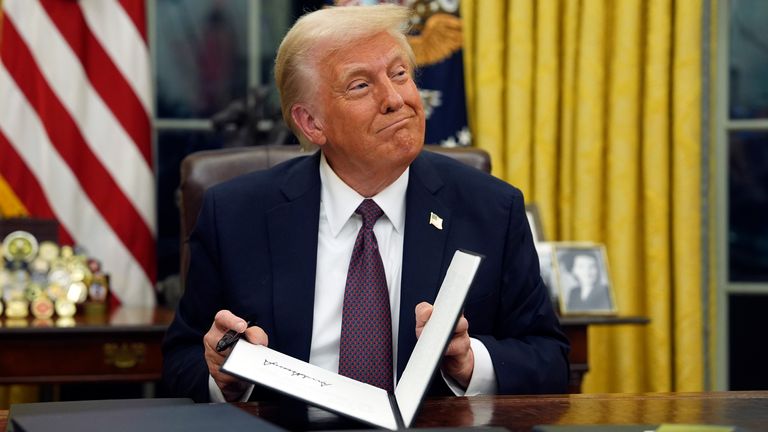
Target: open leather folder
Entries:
(261, 365)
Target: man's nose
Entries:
(391, 99)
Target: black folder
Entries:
(136, 415)
(35, 408)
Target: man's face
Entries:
(368, 108)
(585, 270)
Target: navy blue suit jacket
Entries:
(254, 252)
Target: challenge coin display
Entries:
(46, 280)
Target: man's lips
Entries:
(395, 124)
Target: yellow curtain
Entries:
(592, 108)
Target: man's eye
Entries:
(359, 86)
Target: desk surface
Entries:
(748, 410)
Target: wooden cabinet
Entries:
(123, 345)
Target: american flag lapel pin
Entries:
(435, 220)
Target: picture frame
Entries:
(534, 221)
(583, 279)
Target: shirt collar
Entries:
(340, 201)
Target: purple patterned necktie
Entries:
(365, 350)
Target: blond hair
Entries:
(319, 33)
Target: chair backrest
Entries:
(203, 169)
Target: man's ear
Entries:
(308, 124)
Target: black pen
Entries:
(230, 337)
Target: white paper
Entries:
(315, 385)
(438, 330)
(329, 390)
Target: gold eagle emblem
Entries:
(439, 39)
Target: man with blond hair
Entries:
(336, 257)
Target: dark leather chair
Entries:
(203, 169)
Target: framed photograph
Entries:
(534, 221)
(583, 279)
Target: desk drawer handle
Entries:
(124, 355)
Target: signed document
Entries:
(345, 396)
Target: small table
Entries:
(121, 345)
(575, 327)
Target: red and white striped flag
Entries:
(75, 138)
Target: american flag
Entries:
(75, 137)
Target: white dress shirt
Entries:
(337, 231)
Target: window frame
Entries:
(724, 125)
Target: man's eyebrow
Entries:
(395, 56)
(352, 70)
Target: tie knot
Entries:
(370, 212)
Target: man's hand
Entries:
(231, 387)
(458, 360)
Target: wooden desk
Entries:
(748, 410)
(123, 345)
(576, 328)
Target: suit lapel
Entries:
(293, 246)
(423, 251)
